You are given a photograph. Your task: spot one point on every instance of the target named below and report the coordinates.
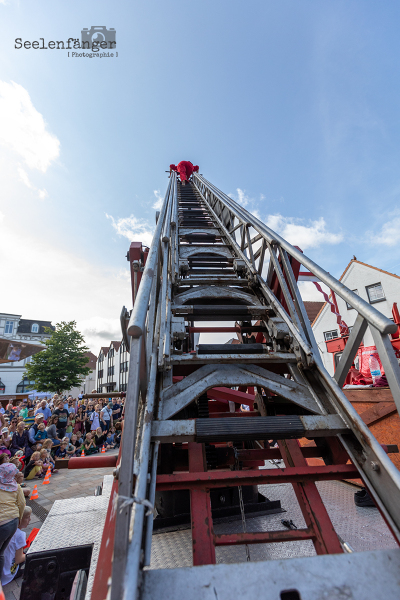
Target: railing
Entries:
(149, 323)
(252, 240)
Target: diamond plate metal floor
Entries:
(363, 528)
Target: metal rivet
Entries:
(375, 466)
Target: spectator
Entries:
(47, 461)
(70, 448)
(14, 553)
(20, 440)
(41, 433)
(24, 410)
(71, 408)
(10, 411)
(61, 451)
(30, 419)
(110, 440)
(75, 442)
(80, 421)
(34, 429)
(95, 418)
(44, 410)
(100, 438)
(116, 410)
(89, 445)
(118, 432)
(106, 417)
(5, 442)
(71, 425)
(4, 458)
(52, 430)
(62, 414)
(34, 467)
(12, 505)
(12, 426)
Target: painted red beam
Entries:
(214, 329)
(210, 479)
(264, 537)
(92, 462)
(223, 393)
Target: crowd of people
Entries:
(33, 436)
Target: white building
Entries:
(14, 328)
(112, 368)
(378, 287)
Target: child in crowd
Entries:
(47, 461)
(18, 460)
(99, 438)
(30, 418)
(47, 445)
(110, 440)
(5, 441)
(89, 445)
(76, 443)
(14, 557)
(61, 451)
(70, 448)
(34, 467)
(41, 433)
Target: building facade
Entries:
(15, 328)
(112, 368)
(377, 287)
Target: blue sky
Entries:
(292, 107)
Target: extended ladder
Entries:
(213, 262)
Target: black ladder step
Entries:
(249, 428)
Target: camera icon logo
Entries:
(98, 34)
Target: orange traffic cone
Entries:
(46, 479)
(35, 493)
(83, 452)
(103, 449)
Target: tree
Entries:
(62, 365)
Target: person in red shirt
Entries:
(185, 169)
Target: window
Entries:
(24, 385)
(35, 328)
(111, 353)
(349, 307)
(329, 335)
(9, 327)
(110, 371)
(375, 293)
(123, 367)
(101, 374)
(123, 387)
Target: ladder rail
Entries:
(372, 462)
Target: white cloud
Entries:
(159, 200)
(389, 234)
(24, 130)
(242, 198)
(62, 286)
(42, 194)
(133, 229)
(310, 235)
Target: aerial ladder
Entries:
(213, 267)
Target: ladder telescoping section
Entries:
(212, 268)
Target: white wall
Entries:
(357, 277)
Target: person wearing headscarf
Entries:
(185, 169)
(12, 505)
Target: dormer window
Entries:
(9, 327)
(35, 328)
